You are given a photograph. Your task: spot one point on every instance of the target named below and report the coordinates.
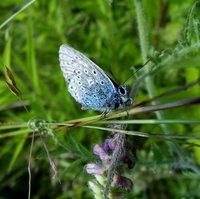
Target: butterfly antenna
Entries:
(137, 70)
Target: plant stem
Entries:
(144, 44)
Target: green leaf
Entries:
(17, 151)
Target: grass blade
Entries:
(15, 14)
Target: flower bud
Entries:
(129, 160)
(97, 150)
(94, 169)
(124, 183)
(108, 145)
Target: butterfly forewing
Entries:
(87, 83)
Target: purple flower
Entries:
(129, 160)
(108, 145)
(94, 169)
(112, 154)
(124, 183)
(97, 150)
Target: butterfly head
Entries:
(123, 91)
(122, 100)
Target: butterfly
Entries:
(89, 84)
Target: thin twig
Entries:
(29, 165)
(169, 93)
(51, 161)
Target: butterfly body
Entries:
(88, 83)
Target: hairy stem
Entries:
(144, 44)
(117, 154)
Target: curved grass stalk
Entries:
(123, 113)
(150, 121)
(14, 133)
(12, 125)
(16, 13)
(57, 126)
(147, 135)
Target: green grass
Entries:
(116, 36)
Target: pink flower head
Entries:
(97, 150)
(94, 169)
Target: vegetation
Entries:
(120, 36)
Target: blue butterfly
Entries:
(89, 84)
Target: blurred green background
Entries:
(106, 31)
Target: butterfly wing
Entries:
(87, 83)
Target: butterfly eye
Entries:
(122, 90)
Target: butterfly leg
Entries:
(127, 112)
(126, 109)
(104, 113)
